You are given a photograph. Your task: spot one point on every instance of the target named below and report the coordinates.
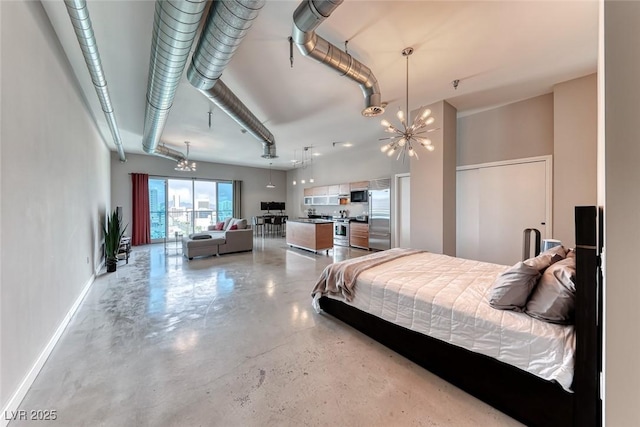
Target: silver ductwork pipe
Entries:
(306, 18)
(81, 22)
(228, 102)
(227, 24)
(175, 26)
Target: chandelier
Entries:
(404, 140)
(184, 165)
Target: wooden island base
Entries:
(314, 235)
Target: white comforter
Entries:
(445, 297)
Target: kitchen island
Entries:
(314, 235)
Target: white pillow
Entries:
(227, 223)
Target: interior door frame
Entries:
(396, 205)
(548, 161)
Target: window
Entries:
(187, 206)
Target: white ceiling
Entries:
(501, 51)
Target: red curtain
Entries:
(141, 230)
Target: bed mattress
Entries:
(445, 297)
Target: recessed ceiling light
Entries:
(317, 154)
(348, 144)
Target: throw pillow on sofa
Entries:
(199, 236)
(233, 227)
(219, 226)
(240, 223)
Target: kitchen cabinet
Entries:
(333, 190)
(359, 234)
(308, 191)
(320, 200)
(359, 185)
(320, 191)
(308, 200)
(344, 189)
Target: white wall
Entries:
(622, 212)
(253, 180)
(574, 152)
(54, 186)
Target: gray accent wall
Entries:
(622, 212)
(54, 178)
(433, 187)
(514, 131)
(254, 181)
(574, 153)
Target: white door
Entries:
(496, 204)
(403, 211)
(468, 214)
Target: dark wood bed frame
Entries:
(524, 396)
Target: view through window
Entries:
(185, 206)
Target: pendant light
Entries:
(270, 185)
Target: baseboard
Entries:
(20, 393)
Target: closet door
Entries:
(496, 204)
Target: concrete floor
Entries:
(232, 341)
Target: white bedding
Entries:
(445, 298)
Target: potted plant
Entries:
(113, 233)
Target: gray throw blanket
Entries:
(339, 279)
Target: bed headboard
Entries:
(588, 316)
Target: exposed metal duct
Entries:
(228, 102)
(81, 22)
(174, 29)
(306, 18)
(227, 24)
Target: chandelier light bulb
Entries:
(406, 138)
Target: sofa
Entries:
(231, 235)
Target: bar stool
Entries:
(277, 223)
(258, 224)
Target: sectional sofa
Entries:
(234, 235)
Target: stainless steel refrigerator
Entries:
(380, 214)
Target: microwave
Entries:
(359, 196)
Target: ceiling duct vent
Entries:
(306, 18)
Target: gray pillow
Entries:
(553, 300)
(512, 288)
(200, 236)
(547, 258)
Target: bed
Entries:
(432, 309)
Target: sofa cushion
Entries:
(241, 223)
(226, 225)
(219, 226)
(233, 227)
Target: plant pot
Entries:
(111, 265)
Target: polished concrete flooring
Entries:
(232, 341)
